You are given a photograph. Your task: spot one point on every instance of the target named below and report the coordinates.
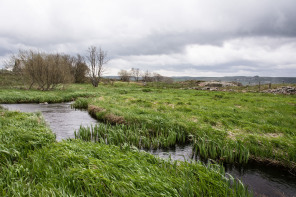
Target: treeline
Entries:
(136, 75)
(47, 70)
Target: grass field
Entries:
(227, 126)
(33, 164)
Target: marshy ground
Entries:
(231, 127)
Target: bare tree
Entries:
(97, 59)
(157, 77)
(44, 70)
(124, 75)
(147, 77)
(168, 80)
(135, 73)
(79, 69)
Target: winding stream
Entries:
(263, 180)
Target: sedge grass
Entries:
(44, 167)
(21, 133)
(79, 168)
(243, 125)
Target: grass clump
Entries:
(34, 164)
(86, 169)
(80, 103)
(20, 134)
(131, 134)
(37, 96)
(227, 126)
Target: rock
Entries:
(219, 84)
(210, 89)
(282, 90)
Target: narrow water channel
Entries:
(262, 180)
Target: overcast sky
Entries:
(171, 37)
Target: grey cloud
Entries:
(168, 43)
(147, 28)
(273, 19)
(227, 67)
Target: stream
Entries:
(262, 180)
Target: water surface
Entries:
(261, 179)
(62, 120)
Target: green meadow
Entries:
(231, 127)
(32, 163)
(227, 126)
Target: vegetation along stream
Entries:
(262, 180)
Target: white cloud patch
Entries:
(286, 66)
(261, 50)
(258, 54)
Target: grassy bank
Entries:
(227, 126)
(62, 94)
(20, 134)
(39, 166)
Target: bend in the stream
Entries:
(263, 180)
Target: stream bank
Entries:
(263, 180)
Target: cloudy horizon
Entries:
(174, 38)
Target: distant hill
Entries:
(245, 80)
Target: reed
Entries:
(241, 125)
(33, 164)
(234, 152)
(141, 137)
(20, 134)
(76, 168)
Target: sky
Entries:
(210, 38)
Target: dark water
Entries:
(262, 180)
(62, 120)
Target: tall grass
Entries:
(36, 96)
(80, 103)
(225, 152)
(33, 164)
(227, 126)
(20, 134)
(141, 137)
(77, 168)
